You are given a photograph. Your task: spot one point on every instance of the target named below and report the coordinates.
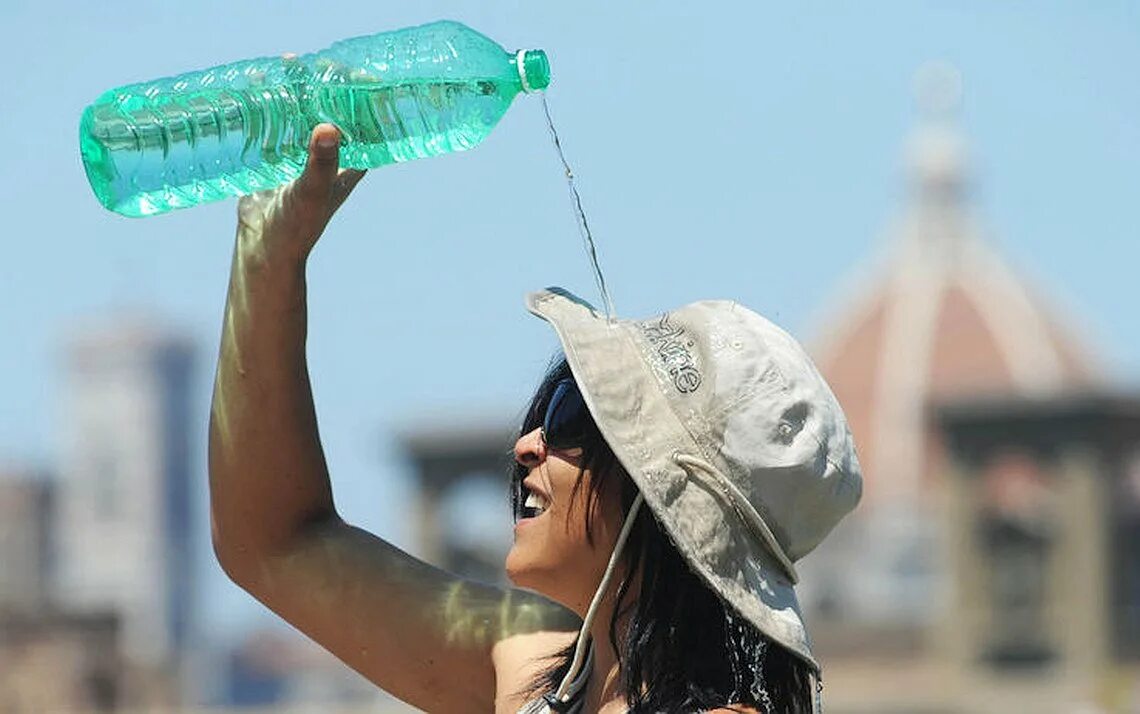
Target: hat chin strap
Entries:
(566, 690)
(707, 473)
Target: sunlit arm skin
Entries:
(418, 632)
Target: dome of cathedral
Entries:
(942, 318)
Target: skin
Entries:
(438, 642)
(551, 553)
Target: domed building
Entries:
(941, 318)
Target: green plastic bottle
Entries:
(243, 127)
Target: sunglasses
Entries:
(567, 422)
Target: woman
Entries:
(668, 475)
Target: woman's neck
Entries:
(604, 692)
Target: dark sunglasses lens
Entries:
(567, 418)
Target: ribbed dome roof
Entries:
(942, 318)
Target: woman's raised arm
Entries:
(422, 634)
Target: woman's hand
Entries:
(288, 221)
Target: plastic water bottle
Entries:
(244, 127)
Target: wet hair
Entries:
(682, 649)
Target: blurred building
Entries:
(1043, 504)
(50, 660)
(966, 581)
(124, 522)
(942, 317)
(25, 540)
(282, 669)
(53, 662)
(461, 517)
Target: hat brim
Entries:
(626, 400)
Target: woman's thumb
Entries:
(320, 172)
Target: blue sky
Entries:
(749, 150)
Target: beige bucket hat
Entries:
(732, 436)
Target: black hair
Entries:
(681, 648)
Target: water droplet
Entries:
(747, 648)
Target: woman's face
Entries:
(551, 553)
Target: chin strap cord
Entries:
(569, 687)
(707, 473)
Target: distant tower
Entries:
(124, 503)
(942, 318)
(1044, 507)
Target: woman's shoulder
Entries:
(738, 709)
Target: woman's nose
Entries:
(530, 449)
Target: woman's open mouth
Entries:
(534, 505)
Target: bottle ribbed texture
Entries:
(244, 127)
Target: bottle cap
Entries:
(534, 70)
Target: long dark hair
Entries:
(682, 649)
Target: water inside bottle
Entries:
(583, 224)
(386, 123)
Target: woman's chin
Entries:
(518, 571)
(525, 574)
